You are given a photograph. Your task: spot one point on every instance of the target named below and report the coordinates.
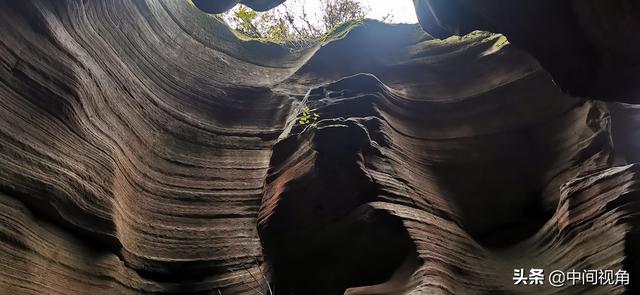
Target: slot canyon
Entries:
(146, 149)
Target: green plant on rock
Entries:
(308, 117)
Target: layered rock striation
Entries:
(589, 47)
(147, 149)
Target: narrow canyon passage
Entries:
(148, 149)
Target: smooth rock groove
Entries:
(146, 149)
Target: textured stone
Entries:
(589, 47)
(146, 149)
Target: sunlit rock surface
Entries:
(146, 149)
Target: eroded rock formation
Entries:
(589, 47)
(146, 149)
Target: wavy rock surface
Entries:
(146, 149)
(589, 47)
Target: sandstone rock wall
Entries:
(146, 149)
(589, 47)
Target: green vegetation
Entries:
(285, 24)
(308, 117)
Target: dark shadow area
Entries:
(498, 192)
(321, 237)
(365, 248)
(628, 203)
